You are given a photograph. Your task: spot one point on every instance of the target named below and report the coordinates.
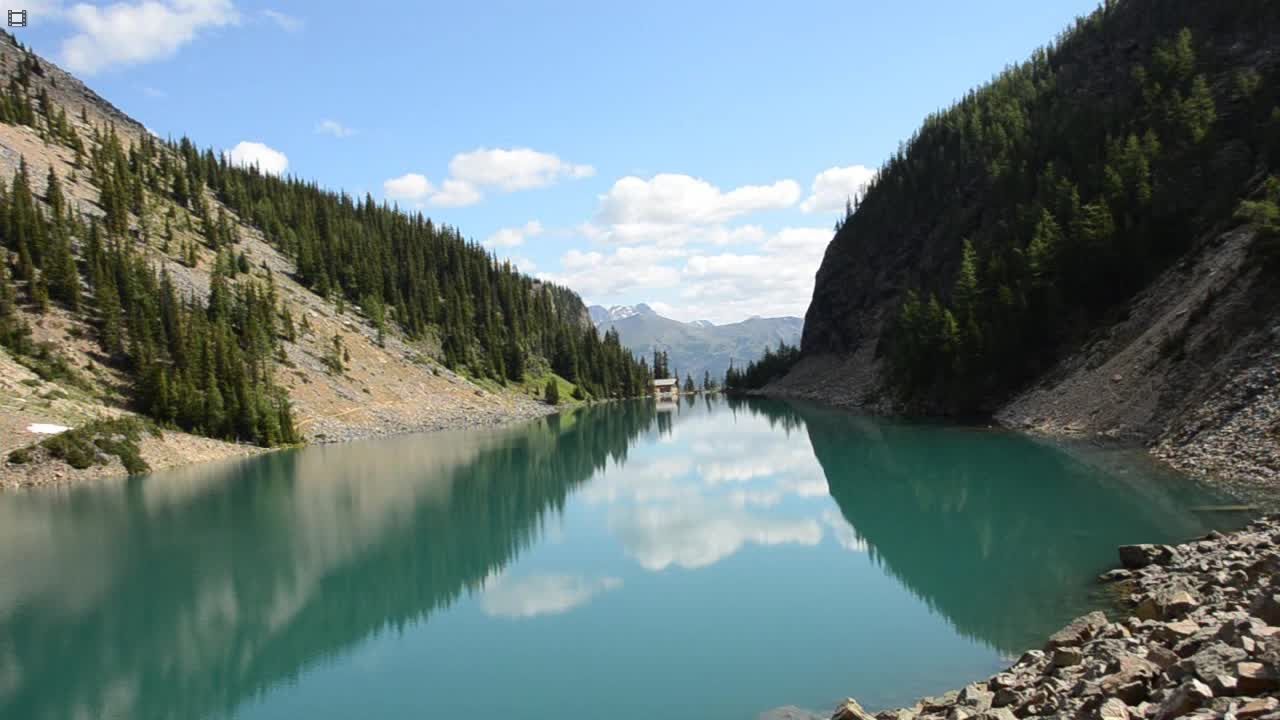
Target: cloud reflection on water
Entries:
(739, 482)
(546, 594)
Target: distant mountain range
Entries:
(699, 346)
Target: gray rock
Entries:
(1257, 708)
(1214, 660)
(1162, 656)
(1189, 696)
(976, 698)
(1125, 673)
(1267, 607)
(1254, 677)
(1223, 684)
(1079, 631)
(945, 700)
(1004, 697)
(851, 710)
(1135, 557)
(1031, 658)
(1067, 656)
(1167, 603)
(1115, 575)
(1113, 709)
(902, 714)
(1003, 681)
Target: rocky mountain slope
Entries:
(698, 347)
(389, 382)
(1085, 246)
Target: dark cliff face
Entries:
(1059, 113)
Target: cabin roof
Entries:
(664, 382)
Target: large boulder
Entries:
(1126, 670)
(1176, 631)
(1189, 696)
(851, 710)
(1254, 677)
(1211, 661)
(1113, 709)
(1067, 657)
(1167, 603)
(1079, 631)
(976, 698)
(1257, 708)
(1267, 607)
(1134, 557)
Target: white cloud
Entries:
(643, 480)
(250, 154)
(834, 186)
(288, 23)
(39, 10)
(755, 498)
(768, 274)
(514, 169)
(456, 193)
(671, 235)
(808, 242)
(844, 533)
(417, 189)
(699, 534)
(774, 279)
(772, 462)
(126, 33)
(509, 170)
(410, 186)
(334, 128)
(541, 594)
(514, 237)
(595, 274)
(680, 200)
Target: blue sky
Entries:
(689, 155)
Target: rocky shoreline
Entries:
(176, 449)
(1198, 637)
(458, 417)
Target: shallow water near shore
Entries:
(710, 560)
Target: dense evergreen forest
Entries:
(205, 364)
(490, 319)
(1062, 188)
(769, 367)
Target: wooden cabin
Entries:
(666, 388)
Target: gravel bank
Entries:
(439, 418)
(1199, 637)
(1234, 439)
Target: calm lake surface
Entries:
(711, 561)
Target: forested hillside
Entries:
(405, 270)
(1018, 223)
(134, 275)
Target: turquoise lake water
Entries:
(712, 560)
